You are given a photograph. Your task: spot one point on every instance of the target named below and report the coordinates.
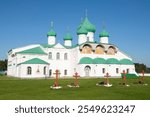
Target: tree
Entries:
(3, 65)
(139, 67)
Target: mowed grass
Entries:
(39, 89)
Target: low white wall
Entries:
(146, 74)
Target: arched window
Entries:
(88, 39)
(87, 49)
(127, 71)
(99, 49)
(65, 72)
(117, 70)
(29, 70)
(65, 56)
(111, 50)
(44, 70)
(50, 72)
(50, 55)
(103, 70)
(57, 55)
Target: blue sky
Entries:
(24, 22)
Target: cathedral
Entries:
(88, 57)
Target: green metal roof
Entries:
(68, 37)
(82, 30)
(36, 50)
(86, 60)
(99, 61)
(104, 34)
(112, 61)
(35, 61)
(126, 62)
(51, 32)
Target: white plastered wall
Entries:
(104, 40)
(68, 43)
(82, 38)
(37, 70)
(51, 40)
(90, 35)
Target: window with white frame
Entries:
(65, 56)
(65, 72)
(117, 70)
(29, 70)
(50, 72)
(50, 55)
(103, 70)
(44, 70)
(128, 71)
(57, 56)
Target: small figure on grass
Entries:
(56, 84)
(75, 84)
(124, 79)
(106, 82)
(141, 81)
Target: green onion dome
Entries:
(85, 27)
(51, 33)
(68, 37)
(88, 26)
(81, 30)
(104, 34)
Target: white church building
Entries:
(89, 58)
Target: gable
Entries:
(58, 45)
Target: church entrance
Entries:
(87, 70)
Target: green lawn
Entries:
(39, 89)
